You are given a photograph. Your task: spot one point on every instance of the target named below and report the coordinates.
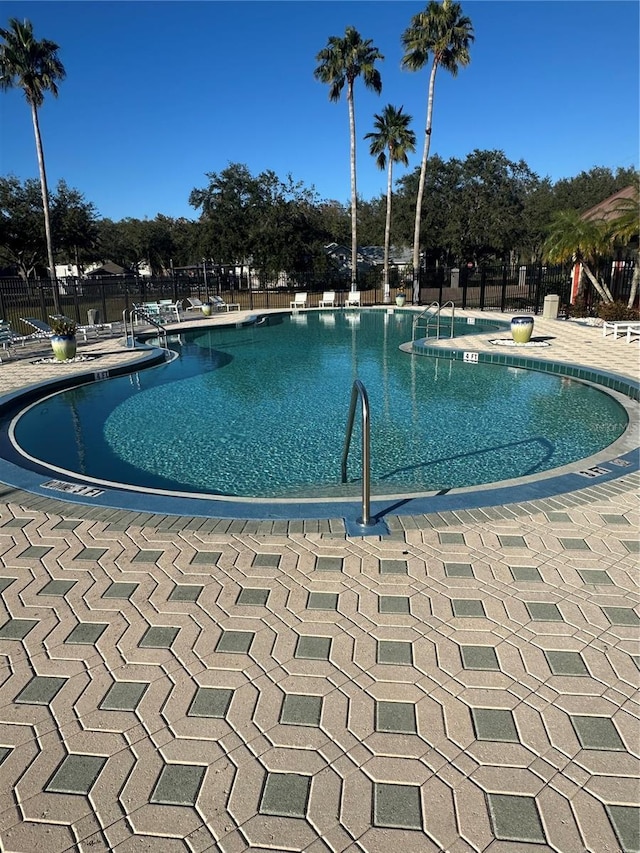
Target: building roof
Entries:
(610, 207)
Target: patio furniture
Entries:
(353, 298)
(618, 326)
(328, 299)
(300, 301)
(220, 305)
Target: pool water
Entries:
(260, 411)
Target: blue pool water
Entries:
(260, 411)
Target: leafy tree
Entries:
(587, 189)
(74, 225)
(22, 239)
(444, 31)
(34, 67)
(584, 241)
(390, 143)
(262, 219)
(341, 62)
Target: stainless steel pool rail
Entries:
(433, 312)
(358, 391)
(138, 313)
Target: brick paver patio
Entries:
(467, 683)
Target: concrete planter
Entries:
(63, 346)
(207, 308)
(521, 329)
(400, 299)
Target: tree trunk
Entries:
(602, 291)
(387, 232)
(423, 172)
(354, 197)
(45, 205)
(634, 283)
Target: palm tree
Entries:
(583, 241)
(392, 135)
(342, 61)
(444, 31)
(34, 67)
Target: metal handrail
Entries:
(136, 311)
(429, 315)
(359, 391)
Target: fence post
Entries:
(464, 275)
(483, 283)
(503, 295)
(43, 304)
(538, 289)
(103, 296)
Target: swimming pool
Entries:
(259, 411)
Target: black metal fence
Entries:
(496, 288)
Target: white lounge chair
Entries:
(300, 301)
(220, 305)
(621, 326)
(353, 298)
(633, 330)
(194, 303)
(328, 299)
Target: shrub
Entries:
(579, 309)
(63, 326)
(612, 311)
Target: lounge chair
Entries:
(621, 326)
(353, 298)
(220, 305)
(194, 303)
(9, 338)
(633, 330)
(328, 299)
(300, 301)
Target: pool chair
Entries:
(353, 298)
(194, 303)
(328, 299)
(300, 301)
(9, 338)
(220, 305)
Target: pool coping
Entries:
(604, 467)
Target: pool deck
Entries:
(468, 682)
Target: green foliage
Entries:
(611, 311)
(63, 326)
(22, 237)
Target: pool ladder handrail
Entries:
(129, 318)
(429, 314)
(358, 391)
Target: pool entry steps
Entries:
(433, 314)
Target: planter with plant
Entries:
(401, 297)
(63, 338)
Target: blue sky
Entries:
(159, 93)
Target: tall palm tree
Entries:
(393, 136)
(584, 241)
(342, 61)
(444, 31)
(34, 67)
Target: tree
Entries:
(75, 227)
(624, 228)
(342, 61)
(584, 241)
(390, 143)
(34, 67)
(22, 239)
(442, 30)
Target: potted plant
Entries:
(207, 308)
(400, 297)
(63, 338)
